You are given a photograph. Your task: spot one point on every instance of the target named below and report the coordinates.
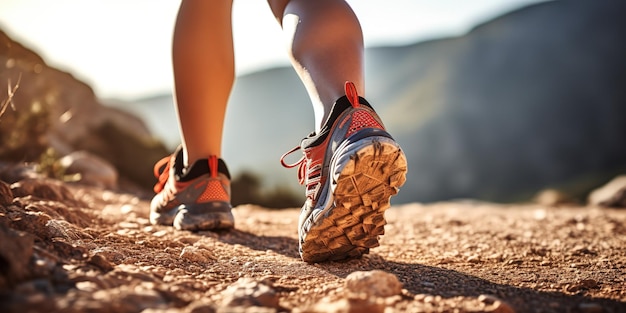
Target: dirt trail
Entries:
(80, 249)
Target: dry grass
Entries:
(10, 94)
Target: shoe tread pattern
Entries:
(372, 174)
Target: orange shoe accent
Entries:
(214, 192)
(162, 173)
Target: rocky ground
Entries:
(73, 248)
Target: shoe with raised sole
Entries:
(196, 199)
(351, 168)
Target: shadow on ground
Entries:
(448, 283)
(280, 244)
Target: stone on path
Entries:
(247, 292)
(613, 194)
(374, 283)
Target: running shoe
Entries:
(194, 199)
(351, 168)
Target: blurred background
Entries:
(494, 100)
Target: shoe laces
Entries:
(306, 175)
(162, 173)
(301, 163)
(303, 177)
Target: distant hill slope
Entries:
(42, 107)
(533, 99)
(530, 100)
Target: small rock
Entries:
(137, 299)
(160, 233)
(100, 261)
(67, 249)
(188, 240)
(584, 284)
(374, 283)
(474, 259)
(247, 292)
(613, 194)
(351, 305)
(111, 255)
(200, 306)
(128, 225)
(494, 304)
(195, 254)
(552, 197)
(502, 307)
(87, 286)
(488, 299)
(420, 297)
(43, 188)
(58, 228)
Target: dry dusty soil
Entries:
(71, 248)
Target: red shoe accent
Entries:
(213, 165)
(360, 120)
(352, 94)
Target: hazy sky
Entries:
(122, 47)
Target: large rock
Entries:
(52, 109)
(613, 194)
(89, 169)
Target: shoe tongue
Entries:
(340, 105)
(316, 138)
(199, 168)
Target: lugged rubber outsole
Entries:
(196, 217)
(206, 221)
(364, 177)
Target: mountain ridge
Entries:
(526, 101)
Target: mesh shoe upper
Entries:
(202, 189)
(349, 114)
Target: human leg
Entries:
(193, 192)
(204, 71)
(325, 46)
(351, 165)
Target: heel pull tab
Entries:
(352, 94)
(213, 165)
